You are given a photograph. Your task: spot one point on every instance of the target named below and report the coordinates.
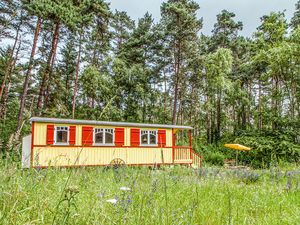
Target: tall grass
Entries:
(175, 195)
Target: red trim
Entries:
(32, 143)
(99, 146)
(72, 138)
(161, 138)
(197, 154)
(173, 145)
(199, 157)
(144, 164)
(181, 146)
(119, 137)
(50, 134)
(135, 137)
(191, 143)
(87, 136)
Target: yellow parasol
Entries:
(237, 147)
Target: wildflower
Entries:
(72, 190)
(129, 199)
(125, 189)
(113, 201)
(289, 183)
(100, 195)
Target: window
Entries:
(148, 137)
(103, 136)
(61, 135)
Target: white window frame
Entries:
(55, 135)
(103, 130)
(148, 134)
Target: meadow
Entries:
(139, 195)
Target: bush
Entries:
(269, 147)
(215, 158)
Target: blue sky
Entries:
(247, 11)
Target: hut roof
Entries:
(105, 123)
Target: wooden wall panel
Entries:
(68, 156)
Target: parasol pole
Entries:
(238, 148)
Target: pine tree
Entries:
(180, 26)
(122, 26)
(270, 33)
(295, 21)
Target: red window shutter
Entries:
(161, 138)
(72, 138)
(135, 137)
(87, 136)
(119, 136)
(50, 134)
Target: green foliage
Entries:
(225, 30)
(218, 65)
(214, 155)
(272, 30)
(295, 21)
(270, 146)
(214, 158)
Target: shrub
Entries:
(215, 158)
(269, 147)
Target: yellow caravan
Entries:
(71, 143)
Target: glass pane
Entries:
(144, 138)
(62, 136)
(99, 138)
(108, 138)
(152, 139)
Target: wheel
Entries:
(117, 163)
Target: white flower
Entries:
(100, 195)
(113, 201)
(125, 189)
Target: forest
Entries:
(80, 59)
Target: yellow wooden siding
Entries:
(169, 137)
(40, 133)
(68, 156)
(127, 136)
(78, 135)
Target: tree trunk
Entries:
(292, 99)
(208, 121)
(260, 123)
(218, 127)
(76, 78)
(48, 68)
(8, 86)
(275, 101)
(192, 105)
(10, 61)
(244, 111)
(46, 97)
(27, 78)
(165, 94)
(177, 82)
(249, 115)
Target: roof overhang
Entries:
(105, 123)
